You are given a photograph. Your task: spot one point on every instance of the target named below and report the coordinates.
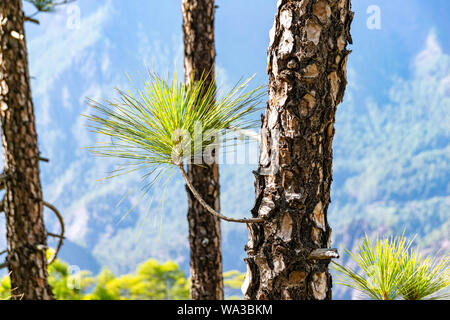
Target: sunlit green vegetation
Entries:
(392, 269)
(151, 281)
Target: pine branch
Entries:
(208, 208)
(61, 235)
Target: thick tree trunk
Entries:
(23, 207)
(307, 60)
(204, 229)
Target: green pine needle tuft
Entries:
(47, 5)
(145, 127)
(391, 269)
(424, 278)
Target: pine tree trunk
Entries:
(204, 229)
(307, 60)
(25, 231)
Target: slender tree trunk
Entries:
(307, 60)
(23, 206)
(204, 229)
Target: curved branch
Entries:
(47, 8)
(61, 235)
(208, 208)
(31, 19)
(54, 235)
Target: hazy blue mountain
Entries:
(392, 151)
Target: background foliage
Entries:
(151, 281)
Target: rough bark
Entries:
(307, 60)
(204, 229)
(25, 231)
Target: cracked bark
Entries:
(204, 229)
(23, 206)
(307, 60)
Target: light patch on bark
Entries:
(344, 65)
(279, 2)
(272, 34)
(292, 64)
(271, 180)
(334, 80)
(292, 196)
(311, 71)
(17, 35)
(341, 42)
(289, 182)
(264, 153)
(343, 18)
(342, 4)
(278, 264)
(319, 285)
(286, 44)
(247, 280)
(330, 130)
(286, 227)
(318, 216)
(286, 18)
(274, 65)
(315, 235)
(250, 244)
(322, 11)
(279, 98)
(267, 206)
(273, 118)
(4, 88)
(286, 295)
(313, 31)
